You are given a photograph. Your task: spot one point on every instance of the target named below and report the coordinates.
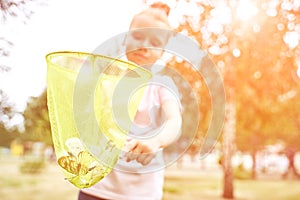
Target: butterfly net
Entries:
(92, 101)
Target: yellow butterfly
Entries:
(79, 165)
(84, 167)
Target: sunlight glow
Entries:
(236, 52)
(222, 14)
(286, 96)
(246, 10)
(291, 38)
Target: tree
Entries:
(255, 44)
(7, 135)
(8, 131)
(211, 39)
(195, 99)
(37, 124)
(21, 10)
(268, 70)
(290, 132)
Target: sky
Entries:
(60, 25)
(80, 25)
(63, 25)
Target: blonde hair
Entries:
(158, 11)
(162, 7)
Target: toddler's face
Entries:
(146, 40)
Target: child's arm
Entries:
(144, 150)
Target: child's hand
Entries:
(143, 151)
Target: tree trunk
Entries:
(228, 148)
(291, 171)
(253, 155)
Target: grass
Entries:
(189, 183)
(193, 183)
(49, 184)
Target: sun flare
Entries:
(246, 10)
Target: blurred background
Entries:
(253, 43)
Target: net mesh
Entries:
(92, 101)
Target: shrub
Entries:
(32, 165)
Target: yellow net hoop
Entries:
(92, 100)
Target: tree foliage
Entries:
(22, 11)
(259, 59)
(8, 131)
(267, 83)
(37, 124)
(258, 54)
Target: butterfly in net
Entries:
(78, 165)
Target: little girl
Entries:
(139, 174)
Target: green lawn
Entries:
(196, 184)
(188, 183)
